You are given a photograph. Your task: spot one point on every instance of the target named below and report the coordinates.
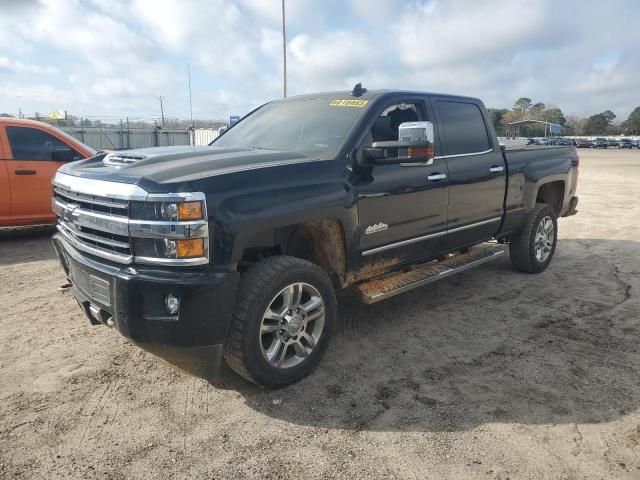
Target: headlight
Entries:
(188, 248)
(170, 248)
(170, 229)
(182, 211)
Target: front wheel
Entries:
(283, 320)
(531, 251)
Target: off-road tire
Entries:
(522, 246)
(258, 286)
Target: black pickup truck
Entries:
(237, 249)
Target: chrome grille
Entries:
(102, 224)
(92, 203)
(96, 224)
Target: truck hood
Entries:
(177, 164)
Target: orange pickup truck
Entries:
(30, 154)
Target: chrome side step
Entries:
(386, 286)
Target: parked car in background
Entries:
(625, 143)
(600, 143)
(583, 143)
(637, 144)
(612, 142)
(30, 154)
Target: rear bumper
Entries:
(571, 208)
(132, 300)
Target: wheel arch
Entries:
(321, 241)
(553, 194)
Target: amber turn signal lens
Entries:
(190, 211)
(193, 247)
(421, 152)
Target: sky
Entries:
(114, 58)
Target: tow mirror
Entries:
(414, 146)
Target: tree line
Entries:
(525, 109)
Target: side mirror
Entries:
(414, 146)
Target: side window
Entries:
(463, 127)
(33, 144)
(386, 125)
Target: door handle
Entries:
(496, 169)
(25, 172)
(434, 177)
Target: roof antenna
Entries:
(358, 90)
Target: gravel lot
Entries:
(490, 374)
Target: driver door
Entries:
(401, 208)
(34, 157)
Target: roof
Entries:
(24, 121)
(370, 94)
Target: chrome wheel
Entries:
(543, 242)
(292, 325)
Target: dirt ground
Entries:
(489, 374)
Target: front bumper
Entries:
(132, 299)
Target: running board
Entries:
(386, 286)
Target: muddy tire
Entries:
(283, 320)
(532, 249)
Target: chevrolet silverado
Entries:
(236, 250)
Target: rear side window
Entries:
(463, 127)
(33, 144)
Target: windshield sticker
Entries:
(348, 102)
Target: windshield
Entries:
(316, 128)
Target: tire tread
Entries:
(519, 246)
(253, 284)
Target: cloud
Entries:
(116, 56)
(9, 67)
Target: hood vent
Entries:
(116, 159)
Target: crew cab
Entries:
(237, 249)
(30, 154)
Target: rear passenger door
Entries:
(477, 171)
(35, 155)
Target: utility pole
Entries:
(189, 85)
(284, 53)
(161, 99)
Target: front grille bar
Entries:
(75, 197)
(95, 238)
(97, 251)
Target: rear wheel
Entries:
(531, 251)
(283, 320)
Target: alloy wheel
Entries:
(292, 325)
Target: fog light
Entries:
(172, 304)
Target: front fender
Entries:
(262, 201)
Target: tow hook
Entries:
(65, 288)
(101, 316)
